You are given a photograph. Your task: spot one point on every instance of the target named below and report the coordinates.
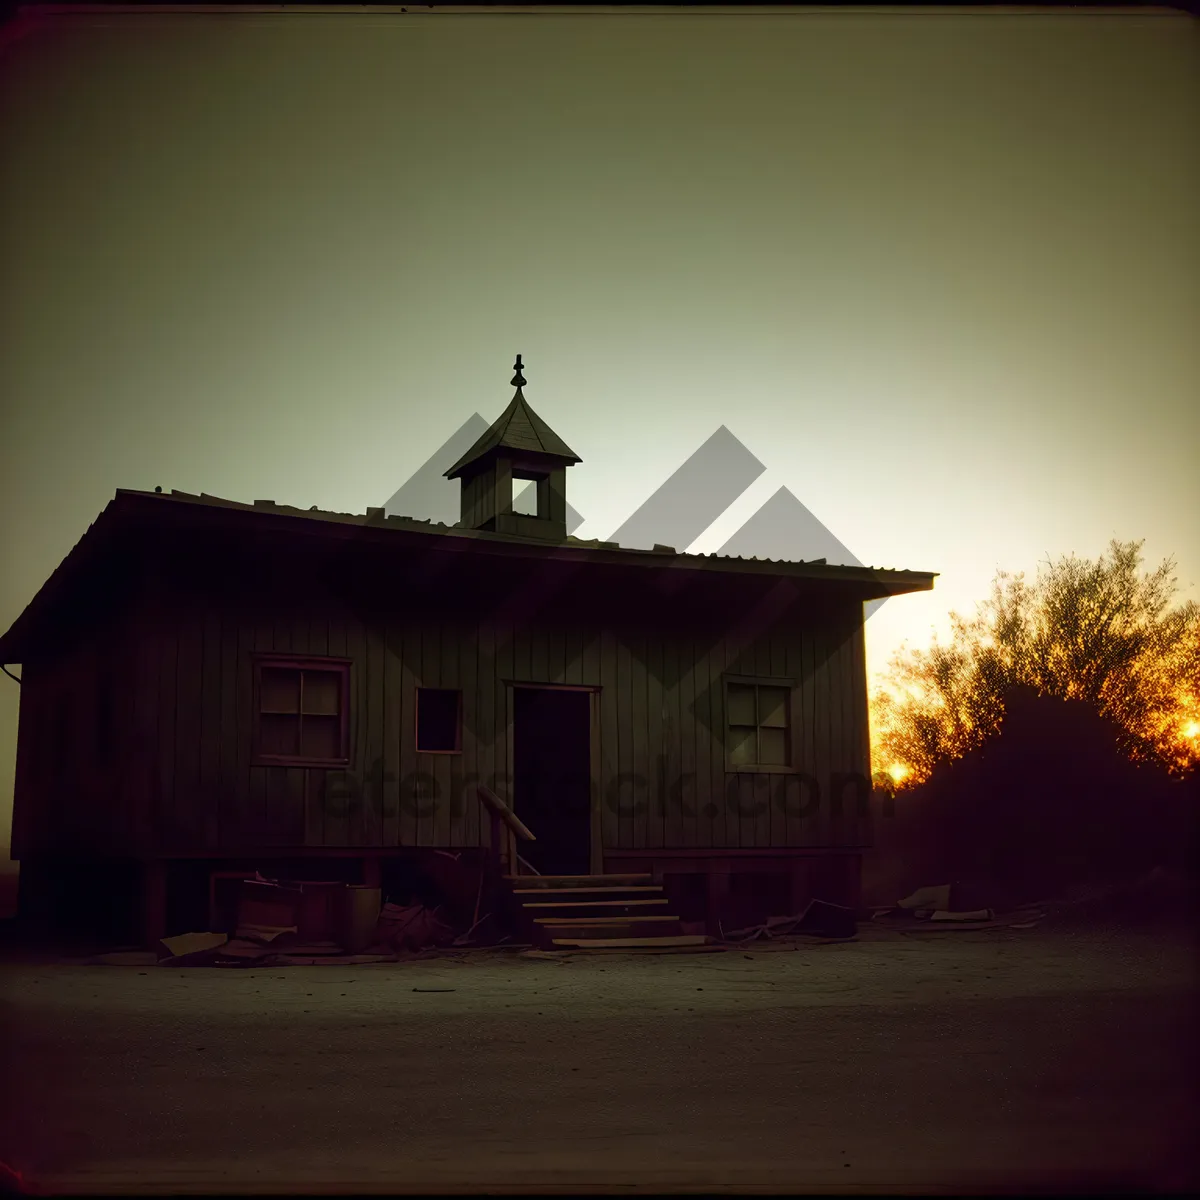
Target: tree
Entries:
(1102, 632)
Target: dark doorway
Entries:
(552, 777)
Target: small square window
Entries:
(524, 497)
(439, 721)
(529, 492)
(302, 711)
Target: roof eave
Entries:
(552, 457)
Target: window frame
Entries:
(782, 683)
(458, 719)
(313, 663)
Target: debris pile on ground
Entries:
(267, 920)
(260, 921)
(412, 927)
(281, 923)
(188, 947)
(1157, 895)
(941, 908)
(820, 919)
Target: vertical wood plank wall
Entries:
(189, 784)
(75, 787)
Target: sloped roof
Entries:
(376, 518)
(87, 561)
(517, 428)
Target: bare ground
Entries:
(1059, 1059)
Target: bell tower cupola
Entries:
(518, 448)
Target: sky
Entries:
(938, 272)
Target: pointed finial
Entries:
(518, 379)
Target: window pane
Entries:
(772, 747)
(741, 704)
(279, 734)
(280, 690)
(322, 692)
(437, 719)
(320, 737)
(772, 707)
(524, 498)
(741, 745)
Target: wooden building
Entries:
(210, 685)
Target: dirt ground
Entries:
(1051, 1058)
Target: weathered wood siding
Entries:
(182, 780)
(662, 778)
(75, 747)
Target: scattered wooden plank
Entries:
(975, 914)
(192, 943)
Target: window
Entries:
(524, 498)
(529, 494)
(439, 721)
(759, 726)
(302, 711)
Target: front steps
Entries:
(610, 912)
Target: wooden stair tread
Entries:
(592, 903)
(576, 890)
(603, 920)
(577, 880)
(631, 943)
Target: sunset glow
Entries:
(1170, 736)
(1173, 739)
(1105, 632)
